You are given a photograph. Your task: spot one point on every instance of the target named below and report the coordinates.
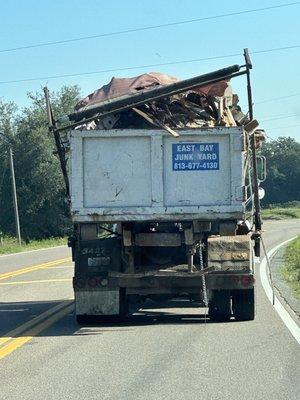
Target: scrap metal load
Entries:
(160, 100)
(205, 106)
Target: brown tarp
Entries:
(124, 86)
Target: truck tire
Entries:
(84, 319)
(219, 306)
(99, 319)
(124, 305)
(243, 304)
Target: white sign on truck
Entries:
(120, 175)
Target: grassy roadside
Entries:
(10, 245)
(282, 211)
(291, 268)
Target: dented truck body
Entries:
(134, 175)
(158, 217)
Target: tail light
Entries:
(247, 280)
(93, 282)
(235, 279)
(78, 283)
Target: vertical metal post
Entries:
(14, 193)
(249, 89)
(257, 216)
(59, 147)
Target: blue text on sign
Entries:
(195, 156)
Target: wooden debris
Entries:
(155, 121)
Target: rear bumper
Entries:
(213, 282)
(136, 284)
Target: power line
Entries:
(144, 66)
(189, 21)
(283, 127)
(275, 49)
(120, 69)
(277, 98)
(279, 117)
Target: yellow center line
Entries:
(21, 271)
(29, 324)
(36, 281)
(28, 335)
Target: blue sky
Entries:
(275, 74)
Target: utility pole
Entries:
(14, 190)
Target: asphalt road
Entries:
(169, 353)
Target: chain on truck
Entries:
(159, 205)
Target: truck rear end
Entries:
(159, 175)
(158, 217)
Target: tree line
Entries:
(282, 184)
(43, 209)
(40, 188)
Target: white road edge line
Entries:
(32, 251)
(283, 313)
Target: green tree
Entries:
(40, 187)
(8, 113)
(283, 170)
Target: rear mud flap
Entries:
(96, 302)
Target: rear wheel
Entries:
(243, 304)
(220, 306)
(100, 319)
(123, 305)
(84, 319)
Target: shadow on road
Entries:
(13, 315)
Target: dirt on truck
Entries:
(159, 176)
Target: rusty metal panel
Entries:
(163, 284)
(158, 239)
(88, 231)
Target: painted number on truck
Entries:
(195, 156)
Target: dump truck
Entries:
(159, 212)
